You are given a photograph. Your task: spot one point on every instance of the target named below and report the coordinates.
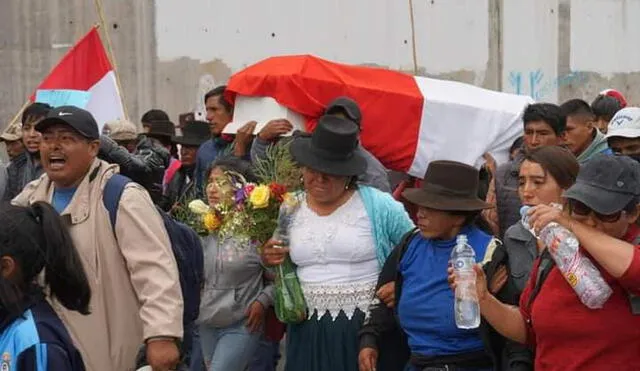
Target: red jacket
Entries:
(569, 336)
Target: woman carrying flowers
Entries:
(234, 296)
(340, 236)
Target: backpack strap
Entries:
(111, 196)
(544, 268)
(404, 244)
(402, 249)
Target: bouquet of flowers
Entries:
(259, 212)
(253, 213)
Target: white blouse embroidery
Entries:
(336, 258)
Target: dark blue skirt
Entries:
(325, 345)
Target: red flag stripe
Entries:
(391, 101)
(81, 68)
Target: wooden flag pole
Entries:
(413, 39)
(17, 116)
(110, 54)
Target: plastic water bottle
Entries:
(466, 308)
(576, 267)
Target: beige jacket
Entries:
(134, 279)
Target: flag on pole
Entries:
(85, 68)
(407, 121)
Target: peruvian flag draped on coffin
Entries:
(84, 77)
(407, 122)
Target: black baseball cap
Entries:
(81, 120)
(348, 106)
(606, 183)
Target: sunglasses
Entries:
(580, 209)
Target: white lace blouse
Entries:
(336, 258)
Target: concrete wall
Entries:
(35, 34)
(451, 37)
(530, 56)
(169, 53)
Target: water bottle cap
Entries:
(524, 210)
(462, 238)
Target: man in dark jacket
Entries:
(123, 132)
(26, 167)
(146, 166)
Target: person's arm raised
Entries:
(613, 254)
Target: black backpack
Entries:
(185, 244)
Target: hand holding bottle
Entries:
(273, 254)
(482, 289)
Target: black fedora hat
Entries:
(448, 186)
(332, 148)
(163, 128)
(194, 133)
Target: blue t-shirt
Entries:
(61, 198)
(38, 341)
(426, 303)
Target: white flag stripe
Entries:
(105, 103)
(461, 122)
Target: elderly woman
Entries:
(544, 174)
(448, 206)
(340, 237)
(567, 335)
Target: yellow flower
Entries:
(259, 197)
(211, 221)
(198, 207)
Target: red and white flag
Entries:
(408, 121)
(86, 67)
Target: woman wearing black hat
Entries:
(339, 239)
(182, 186)
(448, 206)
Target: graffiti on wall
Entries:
(205, 83)
(535, 85)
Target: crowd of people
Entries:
(90, 277)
